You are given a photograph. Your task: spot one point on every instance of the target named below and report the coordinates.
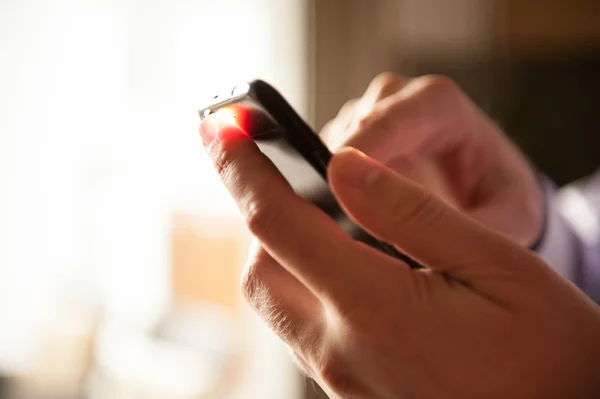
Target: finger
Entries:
(417, 121)
(400, 212)
(303, 239)
(426, 173)
(338, 127)
(285, 305)
(383, 86)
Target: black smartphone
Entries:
(295, 149)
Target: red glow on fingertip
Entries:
(225, 116)
(237, 115)
(232, 116)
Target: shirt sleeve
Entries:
(571, 241)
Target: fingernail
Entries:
(355, 168)
(209, 129)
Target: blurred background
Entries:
(120, 252)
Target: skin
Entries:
(486, 319)
(429, 131)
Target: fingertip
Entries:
(214, 127)
(337, 164)
(208, 131)
(343, 153)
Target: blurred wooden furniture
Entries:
(207, 258)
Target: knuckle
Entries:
(386, 82)
(438, 84)
(440, 94)
(426, 211)
(364, 121)
(368, 119)
(257, 292)
(264, 297)
(255, 274)
(333, 373)
(329, 133)
(253, 287)
(334, 370)
(326, 130)
(262, 217)
(375, 120)
(348, 107)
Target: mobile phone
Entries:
(295, 149)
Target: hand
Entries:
(486, 319)
(429, 131)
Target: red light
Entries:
(231, 116)
(226, 122)
(235, 114)
(225, 115)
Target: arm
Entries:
(571, 243)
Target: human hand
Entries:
(428, 130)
(485, 319)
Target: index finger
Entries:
(419, 120)
(303, 239)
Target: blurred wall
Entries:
(356, 40)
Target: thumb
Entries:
(420, 224)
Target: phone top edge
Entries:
(225, 97)
(256, 87)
